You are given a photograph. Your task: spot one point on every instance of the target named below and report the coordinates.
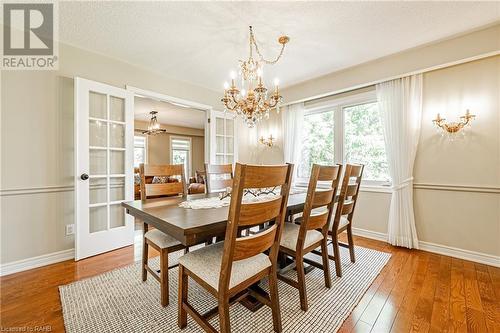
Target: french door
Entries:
(223, 141)
(104, 141)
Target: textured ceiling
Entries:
(200, 42)
(168, 114)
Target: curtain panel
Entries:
(400, 105)
(292, 119)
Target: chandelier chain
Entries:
(254, 42)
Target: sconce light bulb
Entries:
(276, 82)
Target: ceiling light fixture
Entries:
(154, 126)
(251, 102)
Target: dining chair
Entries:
(218, 177)
(344, 213)
(227, 269)
(299, 239)
(158, 240)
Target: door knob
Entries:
(84, 176)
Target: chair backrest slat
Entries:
(244, 214)
(320, 199)
(264, 176)
(349, 192)
(162, 189)
(317, 221)
(218, 177)
(259, 212)
(250, 246)
(153, 190)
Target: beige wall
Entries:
(461, 219)
(37, 162)
(159, 145)
(466, 220)
(37, 176)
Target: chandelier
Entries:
(154, 126)
(252, 102)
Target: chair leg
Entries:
(275, 304)
(336, 254)
(183, 295)
(144, 259)
(326, 262)
(225, 325)
(144, 253)
(164, 276)
(351, 242)
(301, 279)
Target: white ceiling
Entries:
(168, 114)
(200, 42)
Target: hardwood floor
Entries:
(415, 292)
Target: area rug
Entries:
(118, 301)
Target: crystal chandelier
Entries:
(154, 126)
(252, 102)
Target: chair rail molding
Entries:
(35, 262)
(457, 187)
(36, 190)
(450, 251)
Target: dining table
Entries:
(196, 226)
(192, 226)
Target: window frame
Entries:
(190, 157)
(337, 106)
(146, 155)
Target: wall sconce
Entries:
(454, 127)
(267, 142)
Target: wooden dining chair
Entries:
(227, 269)
(312, 232)
(218, 177)
(158, 240)
(343, 216)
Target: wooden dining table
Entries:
(192, 226)
(195, 226)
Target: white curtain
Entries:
(400, 104)
(292, 119)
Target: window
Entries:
(180, 153)
(347, 130)
(317, 144)
(139, 150)
(364, 140)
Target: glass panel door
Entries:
(104, 140)
(223, 138)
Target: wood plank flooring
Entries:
(417, 291)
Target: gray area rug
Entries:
(118, 301)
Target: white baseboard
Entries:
(450, 251)
(52, 258)
(30, 263)
(380, 236)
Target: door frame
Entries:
(175, 100)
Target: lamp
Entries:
(267, 142)
(454, 127)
